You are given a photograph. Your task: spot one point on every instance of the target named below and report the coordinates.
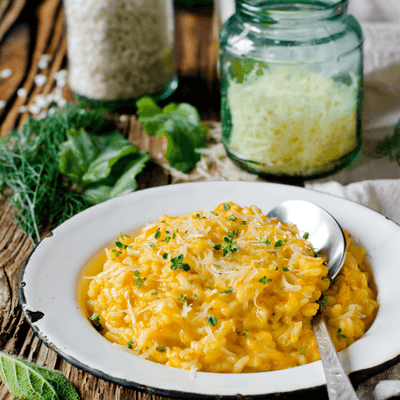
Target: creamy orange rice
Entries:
(226, 291)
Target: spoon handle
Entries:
(337, 382)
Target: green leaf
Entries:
(180, 124)
(76, 154)
(113, 148)
(125, 184)
(28, 381)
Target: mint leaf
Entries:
(28, 381)
(180, 125)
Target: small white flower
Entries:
(5, 73)
(40, 80)
(61, 102)
(41, 101)
(22, 93)
(2, 104)
(44, 61)
(34, 109)
(22, 109)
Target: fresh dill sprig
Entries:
(41, 197)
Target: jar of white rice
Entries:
(120, 50)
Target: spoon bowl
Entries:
(328, 240)
(322, 230)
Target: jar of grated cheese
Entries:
(291, 76)
(120, 50)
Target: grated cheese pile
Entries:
(291, 119)
(223, 291)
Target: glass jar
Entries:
(120, 50)
(291, 79)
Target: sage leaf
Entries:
(28, 381)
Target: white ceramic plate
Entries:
(48, 289)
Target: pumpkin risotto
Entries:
(227, 291)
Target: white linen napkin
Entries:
(381, 195)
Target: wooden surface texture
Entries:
(28, 30)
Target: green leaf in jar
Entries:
(240, 69)
(28, 381)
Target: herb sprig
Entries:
(54, 168)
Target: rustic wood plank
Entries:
(46, 15)
(10, 10)
(13, 56)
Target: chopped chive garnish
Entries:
(212, 321)
(306, 235)
(164, 256)
(130, 343)
(227, 206)
(160, 349)
(279, 243)
(339, 332)
(229, 291)
(157, 234)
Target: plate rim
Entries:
(354, 375)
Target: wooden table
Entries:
(29, 29)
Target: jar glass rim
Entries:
(274, 10)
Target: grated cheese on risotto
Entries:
(226, 291)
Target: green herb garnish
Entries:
(95, 321)
(40, 161)
(160, 349)
(263, 279)
(182, 297)
(180, 125)
(212, 321)
(229, 291)
(339, 332)
(139, 281)
(306, 235)
(130, 344)
(176, 263)
(227, 206)
(279, 243)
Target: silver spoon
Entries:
(329, 242)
